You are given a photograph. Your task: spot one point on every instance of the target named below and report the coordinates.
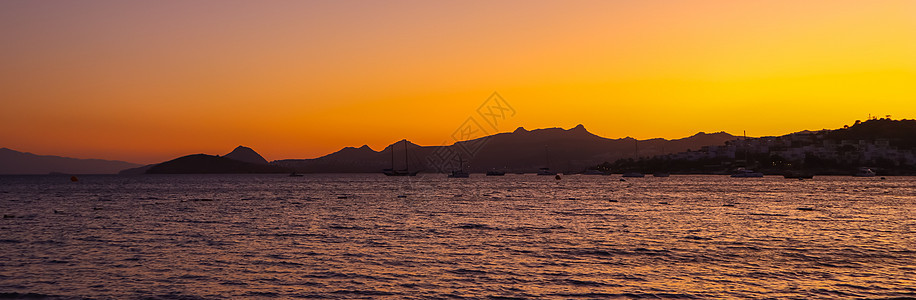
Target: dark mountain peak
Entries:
(353, 150)
(581, 132)
(399, 145)
(520, 130)
(708, 139)
(245, 154)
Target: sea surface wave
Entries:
(430, 237)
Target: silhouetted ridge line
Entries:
(571, 150)
(15, 162)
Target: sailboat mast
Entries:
(746, 162)
(547, 155)
(635, 149)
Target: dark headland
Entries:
(242, 160)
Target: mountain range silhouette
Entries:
(565, 150)
(16, 162)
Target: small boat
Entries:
(745, 173)
(636, 158)
(798, 175)
(459, 174)
(392, 172)
(294, 174)
(495, 173)
(865, 172)
(593, 172)
(546, 171)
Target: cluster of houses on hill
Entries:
(823, 152)
(797, 147)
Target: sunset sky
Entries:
(147, 81)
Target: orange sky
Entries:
(150, 81)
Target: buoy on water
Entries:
(557, 177)
(74, 179)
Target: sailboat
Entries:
(460, 173)
(744, 172)
(406, 171)
(635, 174)
(546, 170)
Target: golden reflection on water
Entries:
(515, 236)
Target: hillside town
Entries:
(884, 145)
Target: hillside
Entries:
(15, 162)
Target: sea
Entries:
(367, 236)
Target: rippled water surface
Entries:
(517, 236)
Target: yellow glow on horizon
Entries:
(147, 81)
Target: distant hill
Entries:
(900, 133)
(136, 171)
(242, 153)
(240, 161)
(15, 162)
(571, 150)
(210, 164)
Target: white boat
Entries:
(546, 170)
(745, 173)
(634, 174)
(865, 172)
